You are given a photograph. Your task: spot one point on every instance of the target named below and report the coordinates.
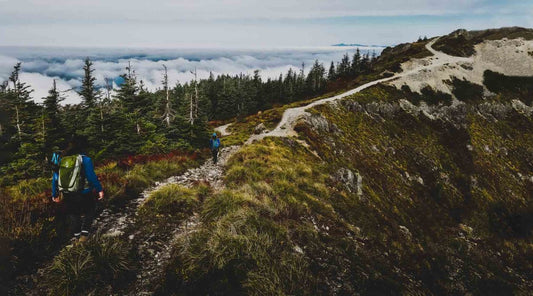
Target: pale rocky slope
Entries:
(508, 57)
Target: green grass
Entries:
(87, 268)
(512, 87)
(245, 242)
(168, 206)
(392, 57)
(242, 129)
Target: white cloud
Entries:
(40, 65)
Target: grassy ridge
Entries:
(249, 237)
(106, 265)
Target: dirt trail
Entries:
(114, 222)
(223, 130)
(286, 126)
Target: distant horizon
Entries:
(41, 65)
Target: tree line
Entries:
(133, 120)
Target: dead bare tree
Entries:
(168, 114)
(18, 123)
(193, 112)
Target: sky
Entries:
(246, 23)
(51, 37)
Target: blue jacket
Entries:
(212, 142)
(90, 175)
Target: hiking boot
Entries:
(73, 242)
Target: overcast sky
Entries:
(246, 23)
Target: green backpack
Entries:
(70, 174)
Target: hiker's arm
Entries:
(91, 175)
(55, 175)
(55, 194)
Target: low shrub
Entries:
(87, 268)
(171, 200)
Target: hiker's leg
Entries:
(72, 204)
(75, 221)
(89, 211)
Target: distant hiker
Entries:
(75, 179)
(214, 144)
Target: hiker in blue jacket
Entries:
(214, 144)
(80, 203)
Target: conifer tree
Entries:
(344, 66)
(19, 97)
(365, 63)
(315, 79)
(88, 92)
(356, 63)
(332, 73)
(52, 121)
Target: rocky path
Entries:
(223, 130)
(114, 222)
(285, 128)
(154, 250)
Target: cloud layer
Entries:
(42, 65)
